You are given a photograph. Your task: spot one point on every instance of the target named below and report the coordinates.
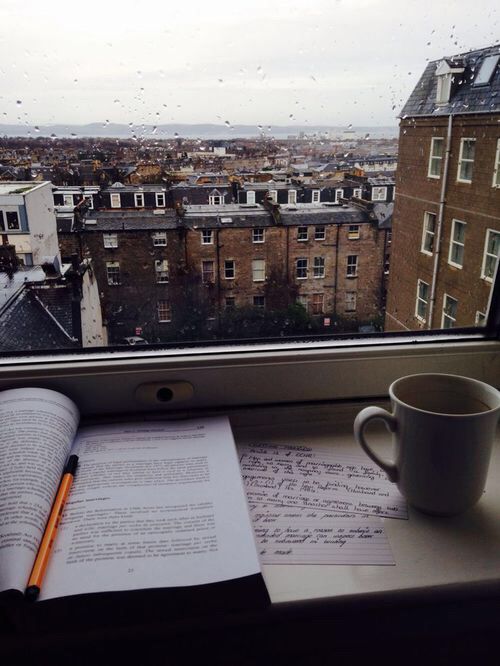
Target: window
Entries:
(436, 157)
(89, 200)
(389, 237)
(68, 200)
(352, 265)
(491, 254)
(379, 193)
(12, 220)
(161, 268)
(317, 304)
(160, 199)
(139, 200)
(466, 160)
(422, 300)
(115, 200)
(258, 270)
(207, 236)
(353, 232)
(215, 199)
(273, 195)
(302, 233)
(159, 238)
(480, 319)
(303, 300)
(496, 170)
(229, 269)
(250, 197)
(350, 301)
(164, 311)
(387, 264)
(230, 302)
(316, 194)
(2, 221)
(207, 272)
(292, 196)
(319, 267)
(428, 233)
(449, 312)
(457, 241)
(110, 240)
(356, 193)
(259, 302)
(443, 89)
(338, 195)
(320, 233)
(258, 235)
(486, 70)
(113, 273)
(301, 268)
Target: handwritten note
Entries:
(305, 536)
(299, 476)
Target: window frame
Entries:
(258, 235)
(157, 236)
(316, 196)
(318, 304)
(462, 160)
(292, 197)
(486, 254)
(353, 299)
(496, 167)
(205, 273)
(319, 268)
(110, 240)
(250, 196)
(229, 269)
(350, 273)
(320, 232)
(303, 268)
(109, 276)
(207, 233)
(115, 200)
(381, 188)
(302, 234)
(167, 308)
(433, 157)
(139, 196)
(159, 195)
(353, 231)
(162, 271)
(445, 316)
(454, 242)
(8, 223)
(419, 299)
(258, 270)
(426, 233)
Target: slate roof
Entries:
(211, 217)
(311, 214)
(125, 220)
(465, 97)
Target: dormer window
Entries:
(446, 73)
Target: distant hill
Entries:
(202, 131)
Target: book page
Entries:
(328, 479)
(309, 536)
(37, 427)
(153, 505)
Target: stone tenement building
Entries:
(157, 270)
(446, 227)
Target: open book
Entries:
(153, 504)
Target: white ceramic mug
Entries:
(443, 431)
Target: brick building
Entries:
(446, 231)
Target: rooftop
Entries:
(19, 187)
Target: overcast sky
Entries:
(332, 62)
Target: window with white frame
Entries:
(258, 270)
(258, 235)
(428, 233)
(292, 196)
(139, 200)
(110, 240)
(116, 201)
(379, 193)
(338, 195)
(68, 200)
(161, 268)
(316, 195)
(320, 233)
(353, 232)
(207, 236)
(229, 269)
(357, 193)
(317, 304)
(352, 265)
(250, 197)
(273, 195)
(301, 268)
(164, 310)
(215, 199)
(113, 273)
(457, 243)
(480, 318)
(350, 301)
(496, 169)
(160, 199)
(422, 301)
(491, 254)
(208, 272)
(435, 157)
(450, 306)
(302, 233)
(259, 302)
(319, 267)
(159, 238)
(466, 160)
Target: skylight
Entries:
(486, 70)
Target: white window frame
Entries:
(89, 198)
(162, 271)
(352, 267)
(258, 270)
(316, 196)
(160, 199)
(68, 200)
(115, 200)
(420, 299)
(496, 168)
(427, 234)
(353, 232)
(139, 199)
(378, 190)
(258, 235)
(273, 195)
(207, 233)
(339, 193)
(113, 265)
(110, 240)
(351, 301)
(213, 197)
(433, 158)
(292, 197)
(445, 316)
(164, 307)
(465, 160)
(480, 319)
(159, 238)
(303, 268)
(204, 272)
(486, 255)
(320, 232)
(456, 243)
(229, 269)
(319, 267)
(250, 197)
(302, 236)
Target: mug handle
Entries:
(361, 421)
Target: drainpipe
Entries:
(442, 200)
